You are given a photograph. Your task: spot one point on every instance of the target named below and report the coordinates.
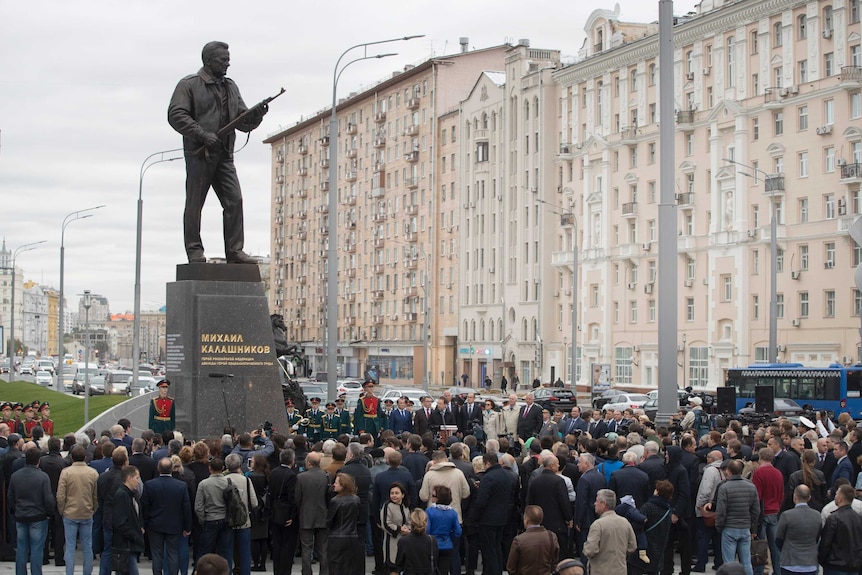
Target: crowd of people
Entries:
(511, 489)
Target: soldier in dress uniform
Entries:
(388, 405)
(162, 410)
(293, 416)
(368, 416)
(47, 422)
(331, 423)
(6, 416)
(30, 422)
(346, 425)
(17, 418)
(315, 421)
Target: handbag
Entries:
(120, 560)
(759, 552)
(708, 516)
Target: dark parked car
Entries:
(603, 398)
(552, 398)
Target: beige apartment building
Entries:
(769, 110)
(398, 296)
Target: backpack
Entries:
(237, 510)
(702, 424)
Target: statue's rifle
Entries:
(229, 127)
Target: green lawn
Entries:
(67, 411)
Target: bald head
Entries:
(312, 459)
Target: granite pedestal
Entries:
(220, 354)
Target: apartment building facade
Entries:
(769, 110)
(392, 276)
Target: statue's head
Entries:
(216, 57)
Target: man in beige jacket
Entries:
(77, 500)
(444, 472)
(611, 537)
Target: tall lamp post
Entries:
(332, 260)
(149, 161)
(565, 215)
(76, 215)
(12, 352)
(87, 303)
(773, 256)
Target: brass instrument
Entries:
(303, 422)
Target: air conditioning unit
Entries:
(828, 264)
(823, 130)
(841, 161)
(689, 283)
(827, 33)
(689, 76)
(795, 274)
(752, 233)
(783, 92)
(648, 288)
(795, 322)
(647, 246)
(707, 70)
(782, 348)
(633, 285)
(794, 89)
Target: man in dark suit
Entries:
(167, 515)
(285, 527)
(442, 415)
(468, 414)
(843, 468)
(145, 464)
(422, 417)
(854, 438)
(312, 496)
(548, 491)
(826, 461)
(401, 418)
(529, 418)
(588, 486)
(573, 423)
(596, 426)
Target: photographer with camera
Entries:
(252, 443)
(696, 419)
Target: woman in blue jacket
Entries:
(443, 525)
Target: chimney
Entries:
(525, 42)
(464, 41)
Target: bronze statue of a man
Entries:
(202, 104)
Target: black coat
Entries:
(841, 541)
(531, 424)
(420, 422)
(597, 429)
(828, 466)
(165, 506)
(146, 466)
(588, 486)
(126, 522)
(678, 476)
(439, 418)
(466, 420)
(549, 492)
(362, 476)
(53, 464)
(629, 480)
(654, 467)
(493, 497)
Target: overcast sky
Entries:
(84, 89)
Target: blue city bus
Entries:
(837, 388)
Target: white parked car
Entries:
(624, 401)
(44, 378)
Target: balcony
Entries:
(628, 250)
(349, 247)
(324, 209)
(302, 215)
(379, 217)
(302, 149)
(377, 294)
(564, 259)
(302, 193)
(324, 230)
(279, 157)
(411, 236)
(774, 183)
(567, 220)
(378, 192)
(351, 273)
(845, 222)
(629, 135)
(379, 166)
(413, 103)
(352, 129)
(378, 242)
(685, 117)
(412, 130)
(350, 320)
(411, 183)
(324, 164)
(350, 176)
(349, 201)
(412, 156)
(410, 291)
(302, 171)
(302, 235)
(480, 134)
(324, 185)
(377, 269)
(411, 263)
(772, 98)
(302, 257)
(630, 210)
(851, 76)
(566, 149)
(301, 280)
(380, 117)
(411, 316)
(685, 199)
(351, 153)
(279, 179)
(851, 172)
(379, 141)
(324, 141)
(412, 209)
(300, 302)
(377, 319)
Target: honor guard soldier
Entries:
(47, 422)
(18, 417)
(346, 424)
(162, 410)
(293, 416)
(331, 424)
(368, 416)
(315, 421)
(6, 416)
(30, 422)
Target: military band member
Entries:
(47, 422)
(346, 425)
(30, 422)
(162, 410)
(293, 416)
(315, 421)
(368, 416)
(331, 423)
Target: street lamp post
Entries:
(332, 260)
(773, 256)
(87, 303)
(149, 161)
(12, 352)
(71, 217)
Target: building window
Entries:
(689, 309)
(829, 112)
(778, 123)
(829, 160)
(803, 304)
(829, 206)
(857, 302)
(633, 311)
(803, 164)
(727, 287)
(652, 74)
(731, 63)
(689, 143)
(829, 303)
(623, 365)
(755, 84)
(633, 80)
(710, 101)
(828, 64)
(755, 129)
(651, 153)
(803, 118)
(709, 55)
(689, 62)
(827, 18)
(778, 77)
(698, 366)
(856, 105)
(755, 306)
(801, 27)
(753, 41)
(777, 41)
(855, 56)
(830, 254)
(755, 262)
(803, 210)
(854, 11)
(803, 71)
(779, 306)
(652, 310)
(803, 257)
